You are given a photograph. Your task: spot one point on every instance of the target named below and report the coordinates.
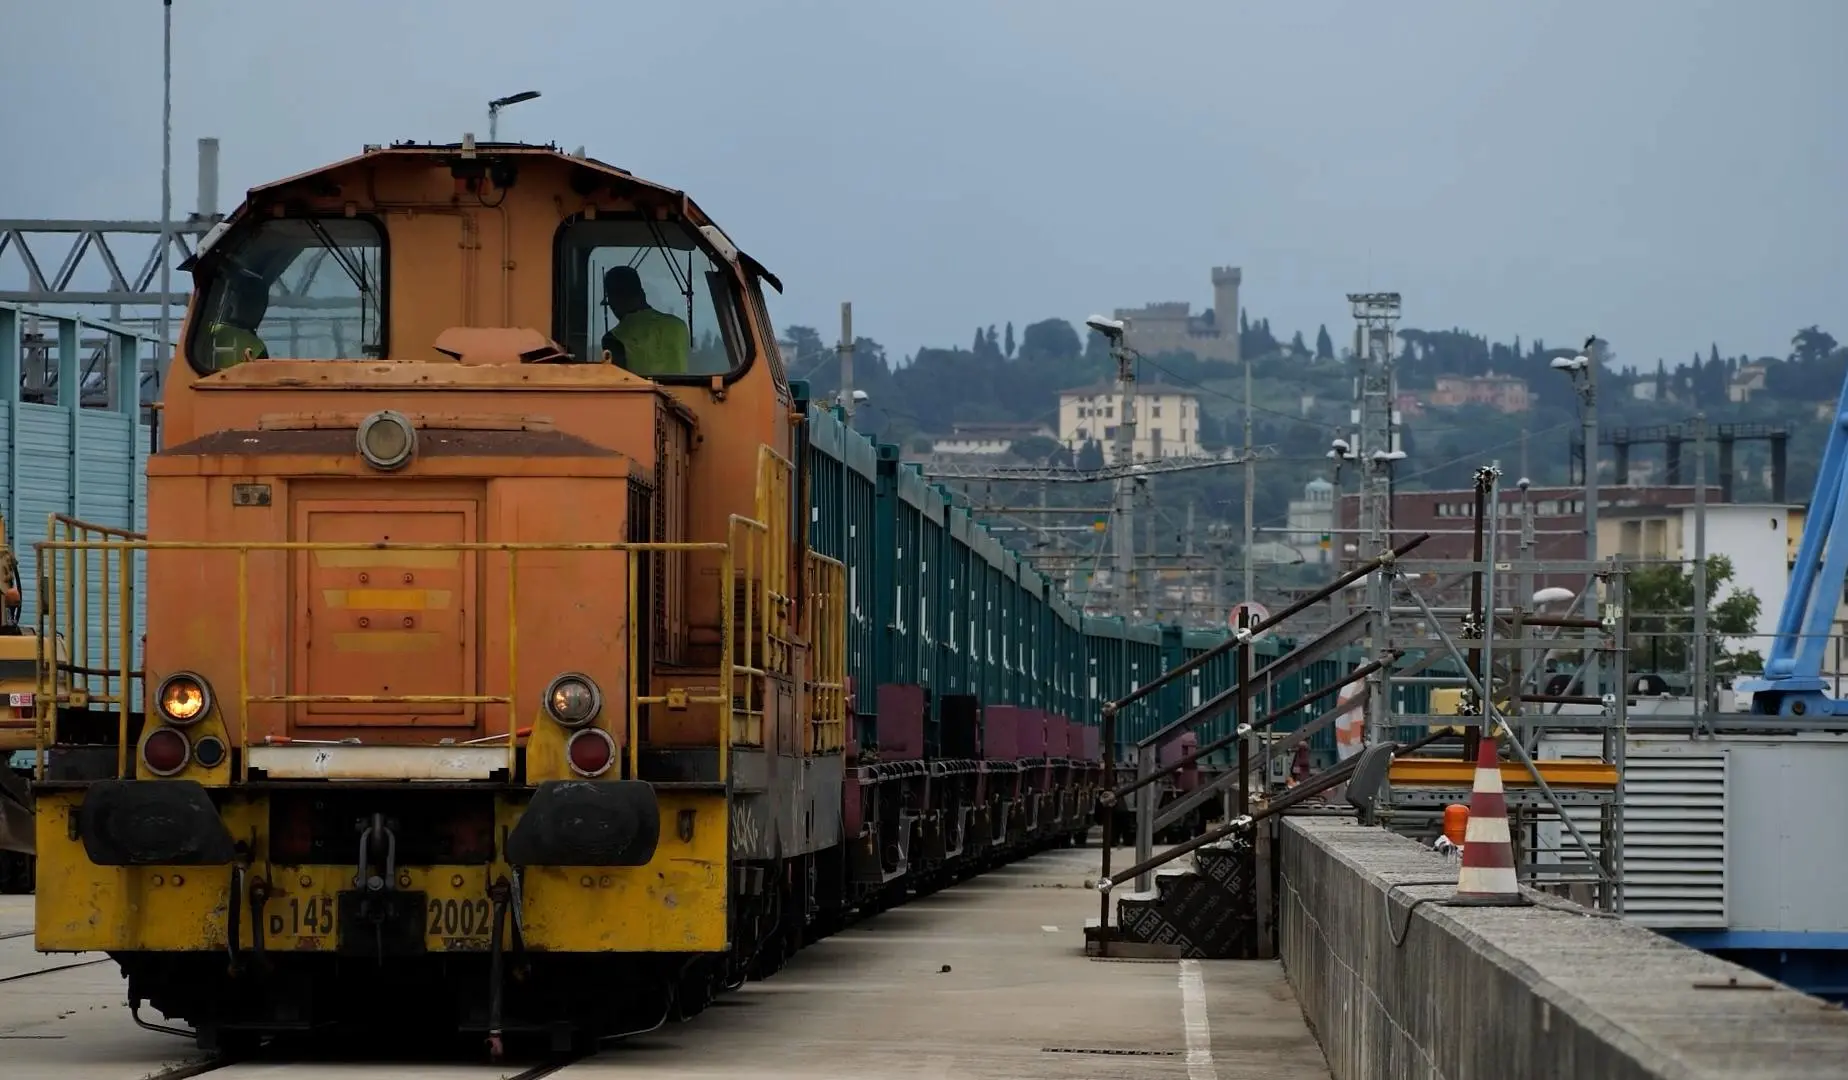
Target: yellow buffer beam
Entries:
(1437, 772)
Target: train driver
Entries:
(645, 341)
(234, 333)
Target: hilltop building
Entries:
(1503, 393)
(1172, 327)
(986, 439)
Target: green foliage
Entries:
(1661, 619)
(1049, 340)
(1038, 449)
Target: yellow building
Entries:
(1167, 420)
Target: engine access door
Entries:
(379, 623)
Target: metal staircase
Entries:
(1217, 904)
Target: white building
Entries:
(1310, 519)
(1759, 539)
(986, 440)
(1167, 420)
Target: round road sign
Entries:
(1248, 613)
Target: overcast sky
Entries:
(1666, 173)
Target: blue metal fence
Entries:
(77, 438)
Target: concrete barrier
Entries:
(1452, 993)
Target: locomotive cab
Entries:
(477, 613)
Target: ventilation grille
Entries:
(1674, 846)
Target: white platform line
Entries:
(1050, 929)
(1193, 1018)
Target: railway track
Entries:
(17, 976)
(236, 1069)
(285, 1060)
(50, 965)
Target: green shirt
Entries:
(652, 343)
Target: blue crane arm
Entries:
(1793, 682)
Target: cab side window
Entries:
(309, 288)
(650, 295)
(766, 330)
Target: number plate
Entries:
(458, 922)
(407, 921)
(294, 922)
(19, 701)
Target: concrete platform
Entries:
(1400, 984)
(1018, 998)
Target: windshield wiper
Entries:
(354, 272)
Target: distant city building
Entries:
(1312, 522)
(1167, 424)
(1746, 382)
(986, 440)
(1650, 471)
(1503, 393)
(1172, 327)
(1558, 516)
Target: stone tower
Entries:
(1225, 305)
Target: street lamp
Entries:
(1582, 369)
(495, 106)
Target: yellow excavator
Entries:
(19, 705)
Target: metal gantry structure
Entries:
(117, 271)
(1008, 511)
(1567, 815)
(93, 269)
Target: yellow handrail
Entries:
(827, 619)
(73, 634)
(756, 623)
(53, 557)
(745, 640)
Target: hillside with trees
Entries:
(1303, 391)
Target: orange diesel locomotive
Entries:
(490, 680)
(483, 676)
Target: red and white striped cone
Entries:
(1487, 878)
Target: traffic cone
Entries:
(1487, 878)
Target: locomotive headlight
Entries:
(573, 700)
(183, 698)
(387, 440)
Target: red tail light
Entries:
(591, 752)
(166, 752)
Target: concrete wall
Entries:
(1532, 993)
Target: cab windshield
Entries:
(649, 295)
(308, 288)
